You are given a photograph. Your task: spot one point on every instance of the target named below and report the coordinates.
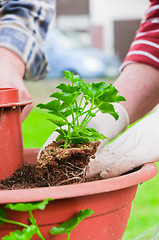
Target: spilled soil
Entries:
(56, 166)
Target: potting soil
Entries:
(56, 166)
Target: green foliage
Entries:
(29, 230)
(75, 105)
(23, 207)
(68, 226)
(25, 234)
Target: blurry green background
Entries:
(36, 129)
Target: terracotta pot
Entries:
(110, 200)
(11, 148)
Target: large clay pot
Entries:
(11, 147)
(110, 200)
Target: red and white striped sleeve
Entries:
(145, 47)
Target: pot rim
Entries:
(146, 172)
(15, 104)
(10, 98)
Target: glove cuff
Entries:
(110, 127)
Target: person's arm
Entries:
(139, 80)
(139, 84)
(23, 26)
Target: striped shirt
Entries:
(23, 26)
(145, 47)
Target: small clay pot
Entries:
(11, 145)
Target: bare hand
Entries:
(12, 71)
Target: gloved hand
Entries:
(103, 123)
(138, 145)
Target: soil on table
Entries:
(56, 166)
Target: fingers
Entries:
(123, 165)
(26, 110)
(24, 96)
(103, 159)
(95, 168)
(144, 153)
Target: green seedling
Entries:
(29, 230)
(75, 105)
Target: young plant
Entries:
(29, 230)
(74, 107)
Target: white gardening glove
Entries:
(104, 124)
(138, 145)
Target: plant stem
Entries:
(40, 235)
(67, 136)
(89, 119)
(32, 217)
(81, 113)
(81, 101)
(64, 117)
(68, 236)
(14, 222)
(73, 119)
(34, 222)
(63, 131)
(86, 119)
(77, 114)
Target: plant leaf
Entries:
(69, 75)
(57, 121)
(69, 225)
(94, 135)
(79, 139)
(85, 88)
(98, 88)
(68, 111)
(53, 105)
(110, 94)
(109, 108)
(67, 88)
(67, 98)
(22, 207)
(85, 135)
(25, 234)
